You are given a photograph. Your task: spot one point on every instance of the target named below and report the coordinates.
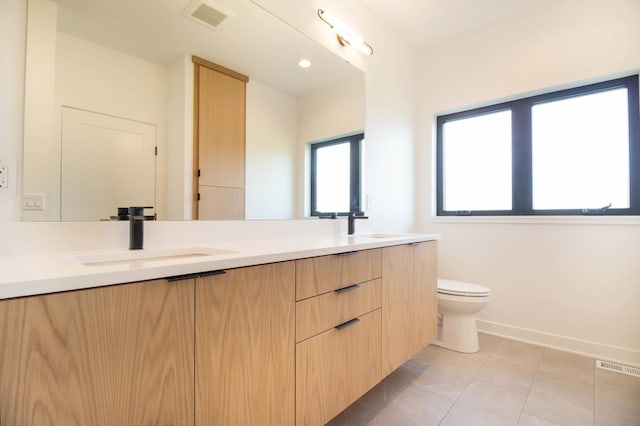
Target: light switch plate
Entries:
(33, 202)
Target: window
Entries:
(336, 175)
(575, 151)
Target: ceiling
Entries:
(424, 23)
(252, 41)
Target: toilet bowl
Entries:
(458, 303)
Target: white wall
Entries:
(571, 285)
(333, 111)
(42, 147)
(13, 24)
(390, 84)
(180, 139)
(271, 171)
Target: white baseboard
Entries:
(568, 344)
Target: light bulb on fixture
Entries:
(346, 36)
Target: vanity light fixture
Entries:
(346, 36)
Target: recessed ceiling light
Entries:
(304, 63)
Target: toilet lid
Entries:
(459, 288)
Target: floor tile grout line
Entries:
(387, 401)
(474, 377)
(531, 385)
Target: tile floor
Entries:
(505, 383)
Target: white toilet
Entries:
(458, 303)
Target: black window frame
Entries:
(355, 176)
(521, 145)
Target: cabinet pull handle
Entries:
(182, 277)
(211, 273)
(347, 288)
(196, 275)
(347, 323)
(416, 243)
(347, 253)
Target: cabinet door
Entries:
(409, 301)
(426, 303)
(335, 368)
(245, 337)
(398, 306)
(119, 355)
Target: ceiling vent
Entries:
(208, 13)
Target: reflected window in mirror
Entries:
(336, 175)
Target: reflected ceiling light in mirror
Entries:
(346, 36)
(304, 63)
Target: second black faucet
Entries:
(351, 225)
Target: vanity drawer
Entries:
(335, 368)
(320, 313)
(318, 275)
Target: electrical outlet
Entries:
(7, 177)
(4, 175)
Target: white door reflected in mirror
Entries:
(107, 162)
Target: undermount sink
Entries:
(385, 236)
(123, 257)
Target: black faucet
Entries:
(352, 221)
(136, 217)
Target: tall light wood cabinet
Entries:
(105, 356)
(245, 337)
(219, 141)
(409, 290)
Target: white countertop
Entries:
(31, 273)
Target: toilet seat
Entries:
(457, 288)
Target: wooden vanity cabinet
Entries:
(117, 355)
(409, 300)
(284, 343)
(245, 337)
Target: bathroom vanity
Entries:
(271, 331)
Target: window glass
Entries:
(336, 175)
(477, 162)
(332, 178)
(569, 152)
(580, 152)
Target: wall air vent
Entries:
(618, 368)
(208, 13)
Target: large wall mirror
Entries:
(120, 70)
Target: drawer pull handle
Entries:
(347, 323)
(347, 288)
(347, 253)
